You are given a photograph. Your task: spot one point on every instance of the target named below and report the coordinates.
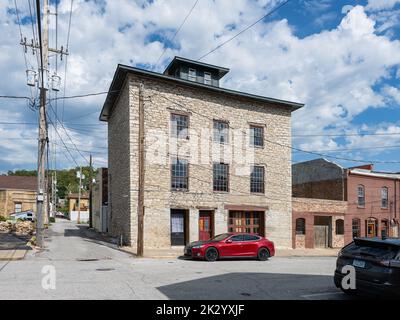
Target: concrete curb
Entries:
(12, 255)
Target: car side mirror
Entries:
(228, 241)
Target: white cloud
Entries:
(376, 5)
(334, 72)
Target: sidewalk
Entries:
(12, 247)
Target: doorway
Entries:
(178, 227)
(322, 231)
(205, 225)
(371, 226)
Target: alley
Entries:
(88, 268)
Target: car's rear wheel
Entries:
(263, 254)
(211, 254)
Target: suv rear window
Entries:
(374, 250)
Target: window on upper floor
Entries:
(256, 136)
(221, 131)
(384, 197)
(179, 126)
(361, 196)
(221, 177)
(207, 78)
(192, 75)
(257, 179)
(179, 174)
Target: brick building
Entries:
(213, 162)
(332, 204)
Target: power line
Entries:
(244, 30)
(66, 58)
(179, 29)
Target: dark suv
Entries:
(377, 266)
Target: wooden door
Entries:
(205, 225)
(321, 236)
(371, 229)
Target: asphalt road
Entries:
(87, 268)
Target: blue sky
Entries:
(340, 58)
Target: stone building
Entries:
(17, 194)
(216, 160)
(332, 204)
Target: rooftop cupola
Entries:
(195, 71)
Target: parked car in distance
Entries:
(229, 245)
(377, 266)
(25, 215)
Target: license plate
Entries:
(359, 263)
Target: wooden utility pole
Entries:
(140, 244)
(90, 193)
(44, 55)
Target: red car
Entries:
(228, 245)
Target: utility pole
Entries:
(79, 195)
(44, 44)
(140, 244)
(90, 193)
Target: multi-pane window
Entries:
(192, 75)
(339, 226)
(257, 179)
(384, 197)
(256, 136)
(179, 125)
(179, 174)
(221, 131)
(221, 177)
(361, 196)
(207, 78)
(17, 207)
(301, 226)
(245, 221)
(356, 228)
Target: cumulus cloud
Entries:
(334, 72)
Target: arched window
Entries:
(300, 226)
(361, 196)
(384, 197)
(340, 227)
(356, 227)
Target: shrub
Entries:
(2, 218)
(52, 220)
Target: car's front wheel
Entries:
(211, 254)
(263, 254)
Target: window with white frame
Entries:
(221, 131)
(17, 207)
(207, 78)
(192, 75)
(384, 197)
(361, 196)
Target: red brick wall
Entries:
(372, 206)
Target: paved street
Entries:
(87, 268)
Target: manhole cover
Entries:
(105, 269)
(246, 294)
(87, 259)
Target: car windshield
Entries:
(220, 237)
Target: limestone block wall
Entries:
(162, 99)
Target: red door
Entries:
(205, 229)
